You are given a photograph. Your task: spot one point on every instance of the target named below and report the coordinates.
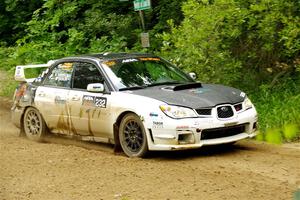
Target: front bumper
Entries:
(178, 134)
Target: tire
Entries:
(34, 125)
(132, 136)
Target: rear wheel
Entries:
(34, 125)
(132, 136)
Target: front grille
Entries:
(224, 112)
(204, 111)
(222, 132)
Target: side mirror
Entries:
(95, 87)
(193, 75)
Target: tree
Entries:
(13, 17)
(223, 39)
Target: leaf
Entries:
(273, 136)
(290, 131)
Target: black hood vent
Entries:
(187, 86)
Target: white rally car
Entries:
(139, 102)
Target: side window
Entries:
(84, 74)
(60, 76)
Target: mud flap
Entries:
(117, 146)
(22, 132)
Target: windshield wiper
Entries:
(152, 85)
(132, 88)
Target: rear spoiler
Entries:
(20, 71)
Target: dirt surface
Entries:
(67, 169)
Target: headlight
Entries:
(247, 104)
(177, 111)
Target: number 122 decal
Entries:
(99, 102)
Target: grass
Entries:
(7, 83)
(279, 109)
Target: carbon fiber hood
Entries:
(209, 95)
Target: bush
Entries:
(223, 40)
(279, 108)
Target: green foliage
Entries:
(199, 42)
(278, 108)
(13, 17)
(62, 28)
(273, 136)
(7, 83)
(34, 72)
(278, 105)
(222, 40)
(290, 131)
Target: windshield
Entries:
(142, 72)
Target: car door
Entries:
(51, 98)
(89, 112)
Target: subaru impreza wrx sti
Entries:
(139, 102)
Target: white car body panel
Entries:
(91, 116)
(90, 120)
(164, 130)
(49, 101)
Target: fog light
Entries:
(186, 139)
(254, 126)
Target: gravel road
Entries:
(67, 169)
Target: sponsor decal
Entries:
(99, 102)
(21, 90)
(129, 60)
(63, 77)
(153, 114)
(230, 124)
(149, 59)
(97, 87)
(158, 125)
(20, 94)
(18, 72)
(67, 66)
(182, 127)
(110, 63)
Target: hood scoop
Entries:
(182, 86)
(168, 88)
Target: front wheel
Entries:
(132, 136)
(34, 125)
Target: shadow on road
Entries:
(54, 139)
(206, 151)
